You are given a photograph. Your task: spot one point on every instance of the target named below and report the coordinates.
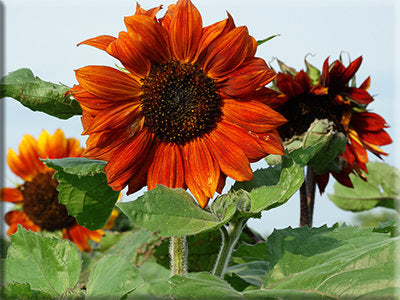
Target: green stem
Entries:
(178, 255)
(229, 240)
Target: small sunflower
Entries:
(188, 109)
(333, 98)
(36, 200)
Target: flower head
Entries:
(333, 98)
(36, 200)
(188, 109)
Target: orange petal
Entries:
(73, 148)
(367, 121)
(251, 75)
(228, 53)
(11, 195)
(128, 159)
(147, 12)
(166, 19)
(18, 167)
(167, 167)
(358, 150)
(201, 166)
(270, 141)
(79, 236)
(124, 49)
(108, 83)
(101, 42)
(148, 37)
(185, 31)
(118, 116)
(221, 183)
(196, 190)
(231, 159)
(252, 115)
(111, 221)
(89, 100)
(54, 146)
(14, 217)
(244, 140)
(212, 33)
(28, 154)
(379, 137)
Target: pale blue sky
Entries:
(42, 35)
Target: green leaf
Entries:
(345, 263)
(83, 189)
(312, 72)
(172, 212)
(22, 291)
(245, 253)
(382, 188)
(251, 272)
(155, 284)
(39, 95)
(285, 294)
(113, 277)
(48, 265)
(260, 42)
(201, 286)
(273, 186)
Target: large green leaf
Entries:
(83, 190)
(22, 291)
(201, 286)
(252, 272)
(155, 284)
(273, 186)
(112, 278)
(172, 212)
(345, 262)
(47, 264)
(39, 95)
(382, 188)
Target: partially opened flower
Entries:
(334, 99)
(36, 200)
(188, 109)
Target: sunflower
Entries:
(333, 98)
(36, 200)
(187, 108)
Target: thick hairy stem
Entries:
(229, 240)
(307, 199)
(178, 255)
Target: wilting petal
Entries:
(11, 195)
(185, 31)
(322, 181)
(252, 115)
(365, 85)
(167, 167)
(124, 49)
(231, 159)
(148, 37)
(228, 53)
(325, 73)
(251, 75)
(201, 167)
(108, 83)
(291, 87)
(101, 42)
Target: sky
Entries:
(42, 35)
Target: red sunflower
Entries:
(188, 109)
(37, 198)
(334, 99)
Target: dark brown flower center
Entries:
(41, 203)
(179, 102)
(302, 110)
